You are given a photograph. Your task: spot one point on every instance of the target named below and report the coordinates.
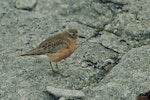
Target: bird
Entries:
(56, 47)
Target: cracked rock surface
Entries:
(110, 63)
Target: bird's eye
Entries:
(73, 34)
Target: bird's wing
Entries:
(53, 46)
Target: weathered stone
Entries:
(25, 4)
(127, 79)
(59, 92)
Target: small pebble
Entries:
(25, 4)
(65, 92)
(62, 98)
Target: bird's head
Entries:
(73, 33)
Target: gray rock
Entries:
(59, 92)
(127, 79)
(111, 41)
(25, 4)
(133, 19)
(26, 78)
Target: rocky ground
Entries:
(112, 62)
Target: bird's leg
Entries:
(51, 66)
(59, 72)
(54, 71)
(57, 67)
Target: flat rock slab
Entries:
(26, 78)
(127, 79)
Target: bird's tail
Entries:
(33, 52)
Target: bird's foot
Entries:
(57, 72)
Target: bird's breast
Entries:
(63, 52)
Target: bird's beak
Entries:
(80, 36)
